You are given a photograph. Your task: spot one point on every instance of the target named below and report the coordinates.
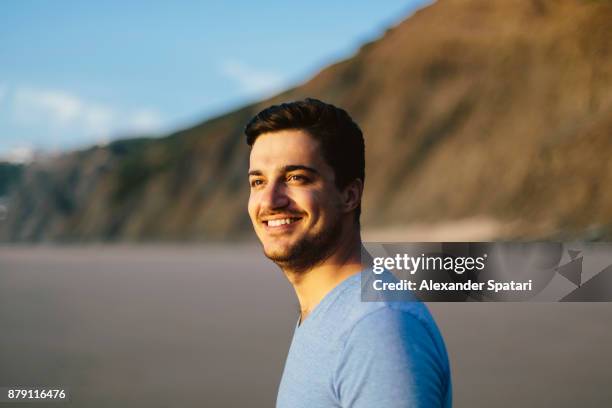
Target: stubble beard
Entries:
(310, 251)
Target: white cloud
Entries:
(144, 120)
(98, 120)
(56, 114)
(59, 108)
(19, 154)
(252, 80)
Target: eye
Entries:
(256, 182)
(297, 177)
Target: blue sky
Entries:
(76, 73)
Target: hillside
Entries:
(470, 108)
(10, 174)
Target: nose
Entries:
(274, 196)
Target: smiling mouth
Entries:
(280, 222)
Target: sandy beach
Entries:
(172, 325)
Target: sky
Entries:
(75, 73)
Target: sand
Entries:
(169, 325)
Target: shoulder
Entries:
(403, 325)
(356, 316)
(393, 357)
(406, 328)
(391, 350)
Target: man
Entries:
(306, 176)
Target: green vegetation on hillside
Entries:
(10, 174)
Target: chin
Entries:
(278, 253)
(301, 252)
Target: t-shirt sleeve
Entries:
(391, 360)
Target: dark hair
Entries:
(339, 137)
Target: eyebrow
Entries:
(287, 169)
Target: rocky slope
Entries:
(470, 108)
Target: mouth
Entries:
(278, 224)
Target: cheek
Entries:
(330, 208)
(316, 203)
(252, 207)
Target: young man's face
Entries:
(294, 205)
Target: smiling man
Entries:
(307, 172)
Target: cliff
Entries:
(470, 108)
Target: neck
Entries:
(312, 285)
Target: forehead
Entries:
(286, 148)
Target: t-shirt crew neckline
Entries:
(333, 294)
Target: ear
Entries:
(351, 195)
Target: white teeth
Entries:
(279, 222)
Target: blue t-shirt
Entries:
(349, 353)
